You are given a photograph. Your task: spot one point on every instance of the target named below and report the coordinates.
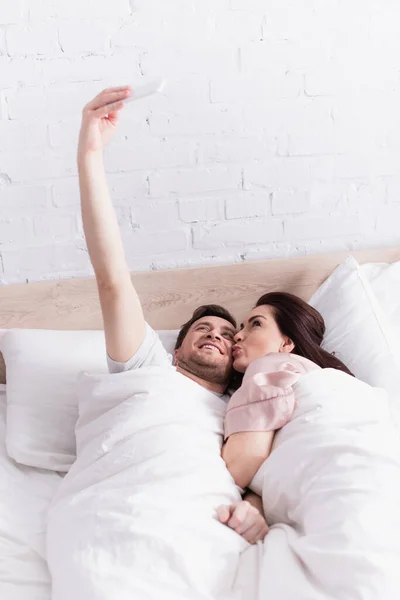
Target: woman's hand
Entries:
(100, 119)
(245, 519)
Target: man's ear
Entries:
(175, 360)
(287, 346)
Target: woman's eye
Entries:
(256, 323)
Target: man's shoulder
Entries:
(150, 353)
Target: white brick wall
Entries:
(278, 133)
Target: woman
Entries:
(331, 485)
(286, 334)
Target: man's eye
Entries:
(203, 328)
(228, 335)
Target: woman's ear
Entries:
(287, 346)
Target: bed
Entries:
(169, 298)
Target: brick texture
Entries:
(278, 132)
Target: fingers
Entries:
(256, 533)
(245, 519)
(109, 109)
(239, 514)
(251, 518)
(108, 97)
(223, 514)
(121, 88)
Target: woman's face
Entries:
(259, 335)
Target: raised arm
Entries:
(124, 323)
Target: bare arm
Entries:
(255, 501)
(123, 318)
(244, 454)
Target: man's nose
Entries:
(214, 335)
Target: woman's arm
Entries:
(255, 500)
(245, 452)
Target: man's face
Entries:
(206, 350)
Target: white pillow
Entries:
(384, 280)
(357, 328)
(42, 406)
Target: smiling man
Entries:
(203, 349)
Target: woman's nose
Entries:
(238, 337)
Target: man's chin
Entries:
(207, 368)
(211, 358)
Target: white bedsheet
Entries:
(136, 513)
(25, 494)
(331, 489)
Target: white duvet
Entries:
(331, 489)
(135, 516)
(136, 512)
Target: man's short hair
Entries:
(207, 310)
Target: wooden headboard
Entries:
(169, 297)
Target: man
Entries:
(203, 351)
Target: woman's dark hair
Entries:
(304, 325)
(207, 310)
